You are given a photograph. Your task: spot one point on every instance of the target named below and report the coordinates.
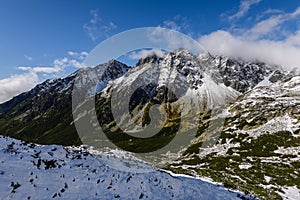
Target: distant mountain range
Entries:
(257, 150)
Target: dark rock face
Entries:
(277, 76)
(241, 76)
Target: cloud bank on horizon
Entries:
(16, 84)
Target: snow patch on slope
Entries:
(284, 123)
(290, 193)
(29, 171)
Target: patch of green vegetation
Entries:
(193, 149)
(45, 123)
(135, 144)
(201, 129)
(195, 160)
(267, 99)
(226, 169)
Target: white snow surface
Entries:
(290, 193)
(265, 82)
(284, 123)
(26, 172)
(245, 166)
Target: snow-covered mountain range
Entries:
(257, 150)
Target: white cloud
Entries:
(271, 24)
(29, 58)
(97, 28)
(171, 25)
(62, 63)
(274, 52)
(178, 23)
(267, 40)
(74, 59)
(294, 39)
(80, 56)
(173, 40)
(245, 6)
(16, 84)
(72, 53)
(144, 53)
(264, 27)
(47, 70)
(268, 13)
(24, 68)
(84, 53)
(295, 13)
(96, 19)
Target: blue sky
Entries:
(50, 38)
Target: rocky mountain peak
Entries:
(153, 58)
(205, 78)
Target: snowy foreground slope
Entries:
(29, 171)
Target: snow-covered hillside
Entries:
(258, 148)
(29, 171)
(183, 90)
